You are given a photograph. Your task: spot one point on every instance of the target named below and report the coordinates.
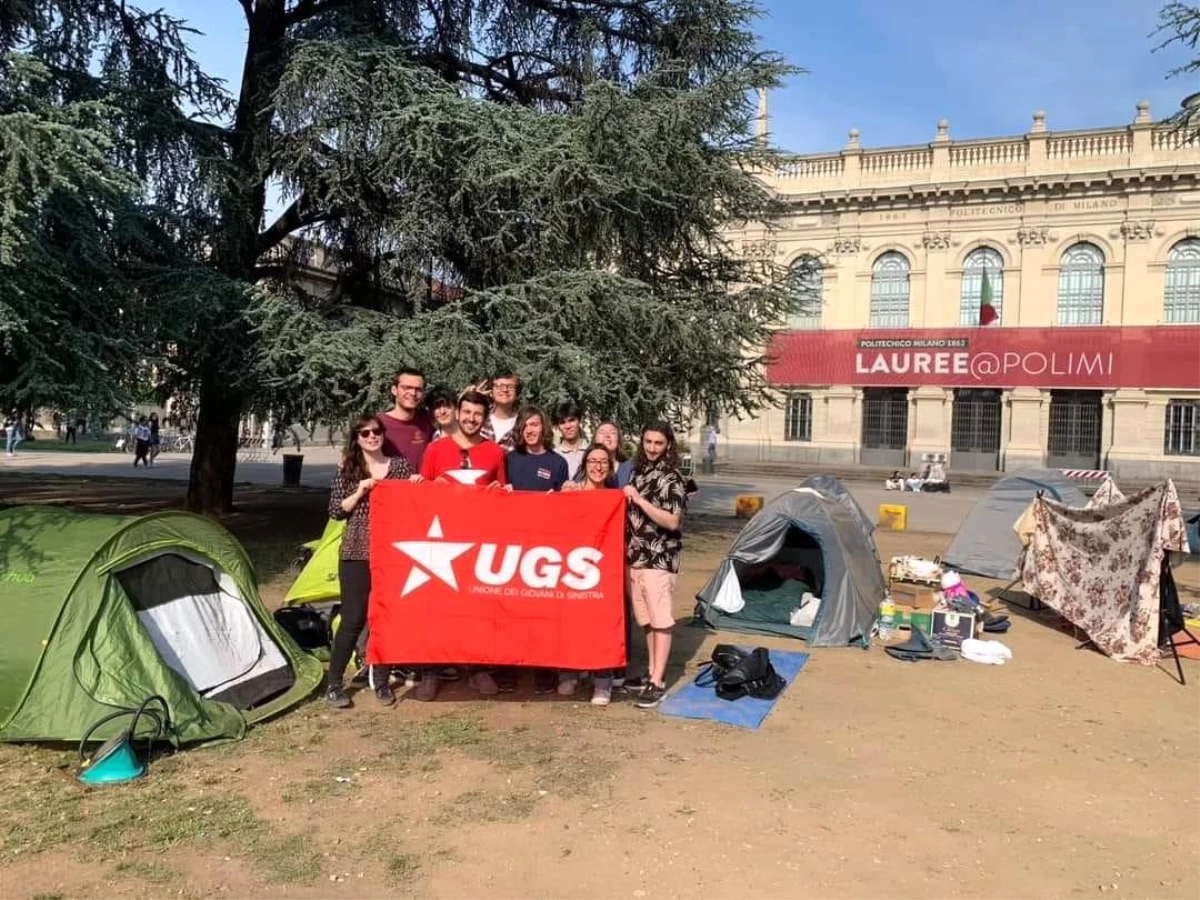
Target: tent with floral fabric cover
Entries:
(1101, 568)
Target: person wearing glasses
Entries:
(506, 392)
(363, 465)
(407, 425)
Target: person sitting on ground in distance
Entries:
(913, 482)
(895, 483)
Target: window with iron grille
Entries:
(1181, 300)
(889, 291)
(885, 418)
(1081, 285)
(1182, 437)
(1075, 419)
(807, 288)
(797, 418)
(985, 259)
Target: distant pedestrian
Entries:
(70, 437)
(141, 443)
(12, 433)
(711, 447)
(155, 438)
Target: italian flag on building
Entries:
(987, 312)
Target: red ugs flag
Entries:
(475, 576)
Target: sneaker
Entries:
(406, 677)
(427, 689)
(651, 696)
(601, 694)
(384, 694)
(567, 685)
(484, 683)
(450, 673)
(633, 685)
(544, 682)
(618, 680)
(506, 681)
(338, 698)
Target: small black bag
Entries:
(306, 626)
(735, 673)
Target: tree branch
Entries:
(308, 9)
(296, 217)
(247, 8)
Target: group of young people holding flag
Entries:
(484, 437)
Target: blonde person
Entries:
(363, 466)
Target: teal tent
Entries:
(102, 612)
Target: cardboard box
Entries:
(914, 595)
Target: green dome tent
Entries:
(318, 580)
(102, 612)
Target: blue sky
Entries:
(892, 68)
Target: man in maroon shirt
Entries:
(407, 426)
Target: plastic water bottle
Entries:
(887, 619)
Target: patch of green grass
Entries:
(150, 872)
(49, 897)
(486, 806)
(288, 859)
(402, 867)
(442, 733)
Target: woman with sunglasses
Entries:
(599, 472)
(363, 465)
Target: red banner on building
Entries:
(1060, 357)
(470, 575)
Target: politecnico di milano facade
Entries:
(1084, 246)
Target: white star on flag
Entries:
(435, 558)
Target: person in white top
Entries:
(505, 394)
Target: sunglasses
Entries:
(370, 432)
(466, 459)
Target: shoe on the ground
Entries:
(450, 673)
(406, 677)
(427, 689)
(601, 694)
(337, 697)
(544, 682)
(618, 679)
(652, 695)
(635, 684)
(506, 681)
(384, 694)
(567, 685)
(484, 683)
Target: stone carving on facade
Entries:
(759, 250)
(1137, 231)
(846, 246)
(936, 240)
(1034, 237)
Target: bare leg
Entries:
(651, 649)
(660, 644)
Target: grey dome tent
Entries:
(831, 487)
(986, 543)
(811, 530)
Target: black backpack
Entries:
(734, 673)
(305, 625)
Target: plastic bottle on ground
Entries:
(887, 619)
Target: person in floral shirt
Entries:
(657, 497)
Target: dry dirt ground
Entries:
(1062, 774)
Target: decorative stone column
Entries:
(842, 425)
(1133, 440)
(928, 410)
(1022, 443)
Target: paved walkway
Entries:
(926, 512)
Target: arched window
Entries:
(982, 266)
(889, 291)
(807, 289)
(1081, 285)
(1181, 300)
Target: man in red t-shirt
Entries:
(465, 456)
(407, 426)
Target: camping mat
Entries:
(694, 702)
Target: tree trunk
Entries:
(214, 459)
